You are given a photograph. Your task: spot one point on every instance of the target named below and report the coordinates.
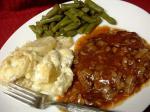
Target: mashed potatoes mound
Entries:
(42, 65)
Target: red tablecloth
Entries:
(13, 13)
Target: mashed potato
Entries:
(55, 67)
(42, 65)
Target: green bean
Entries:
(71, 26)
(81, 3)
(76, 12)
(70, 19)
(82, 28)
(65, 21)
(52, 12)
(39, 29)
(76, 1)
(48, 33)
(97, 18)
(52, 24)
(52, 19)
(109, 19)
(85, 9)
(45, 21)
(71, 33)
(58, 34)
(92, 12)
(43, 17)
(72, 16)
(88, 18)
(61, 30)
(94, 6)
(38, 23)
(60, 11)
(82, 21)
(55, 28)
(69, 6)
(45, 27)
(33, 28)
(82, 15)
(36, 29)
(38, 36)
(90, 27)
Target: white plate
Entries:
(129, 17)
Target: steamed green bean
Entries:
(48, 33)
(109, 19)
(37, 36)
(76, 1)
(65, 21)
(33, 28)
(76, 12)
(88, 19)
(85, 9)
(45, 27)
(94, 6)
(69, 6)
(71, 18)
(92, 12)
(36, 29)
(57, 34)
(52, 19)
(82, 28)
(71, 26)
(71, 33)
(52, 12)
(90, 27)
(51, 25)
(55, 28)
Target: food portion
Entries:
(109, 66)
(42, 65)
(70, 19)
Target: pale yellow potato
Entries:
(43, 65)
(59, 80)
(41, 46)
(63, 42)
(17, 65)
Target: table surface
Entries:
(16, 12)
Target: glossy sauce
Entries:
(110, 65)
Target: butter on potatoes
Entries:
(42, 65)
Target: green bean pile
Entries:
(71, 19)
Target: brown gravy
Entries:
(109, 66)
